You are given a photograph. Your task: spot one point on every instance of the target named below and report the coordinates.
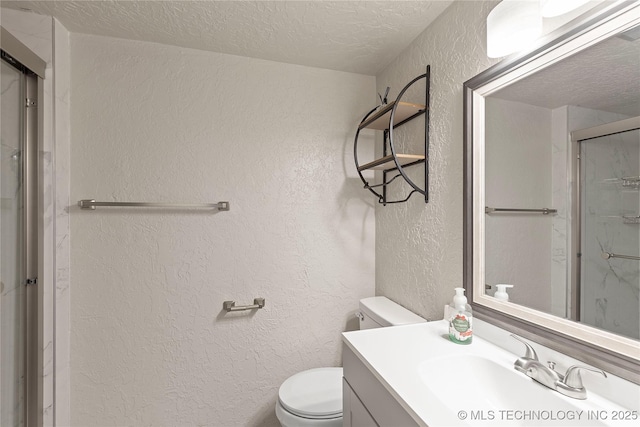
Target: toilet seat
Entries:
(313, 394)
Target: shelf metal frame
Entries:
(390, 149)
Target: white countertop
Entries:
(397, 355)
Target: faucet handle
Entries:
(530, 352)
(573, 378)
(523, 364)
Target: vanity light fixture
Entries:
(512, 25)
(551, 8)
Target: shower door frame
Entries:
(32, 67)
(577, 137)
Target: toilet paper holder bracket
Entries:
(231, 305)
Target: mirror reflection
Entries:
(562, 187)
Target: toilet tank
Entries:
(378, 312)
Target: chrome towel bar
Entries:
(543, 211)
(231, 305)
(607, 255)
(92, 204)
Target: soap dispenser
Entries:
(501, 292)
(460, 319)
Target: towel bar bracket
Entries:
(608, 255)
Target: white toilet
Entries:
(314, 398)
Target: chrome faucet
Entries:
(572, 385)
(569, 384)
(523, 363)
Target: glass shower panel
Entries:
(12, 294)
(610, 232)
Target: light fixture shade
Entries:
(551, 8)
(512, 25)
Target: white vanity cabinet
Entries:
(366, 401)
(354, 414)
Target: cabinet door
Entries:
(354, 413)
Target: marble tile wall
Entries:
(560, 238)
(62, 149)
(10, 211)
(49, 40)
(609, 287)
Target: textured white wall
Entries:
(150, 344)
(518, 175)
(418, 245)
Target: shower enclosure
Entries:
(19, 353)
(606, 292)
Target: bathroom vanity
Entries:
(374, 403)
(414, 376)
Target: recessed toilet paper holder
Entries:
(231, 305)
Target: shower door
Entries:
(610, 232)
(18, 247)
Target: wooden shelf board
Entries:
(380, 120)
(386, 162)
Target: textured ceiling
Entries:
(353, 36)
(604, 77)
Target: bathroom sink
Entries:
(440, 383)
(482, 391)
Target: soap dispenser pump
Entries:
(460, 319)
(501, 292)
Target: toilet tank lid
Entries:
(388, 313)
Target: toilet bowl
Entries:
(313, 398)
